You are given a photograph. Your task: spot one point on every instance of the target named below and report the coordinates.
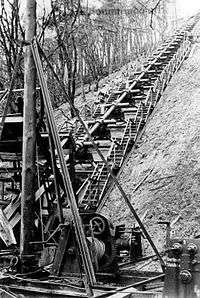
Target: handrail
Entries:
(124, 151)
(136, 115)
(101, 169)
(82, 186)
(111, 148)
(87, 181)
(124, 93)
(139, 110)
(91, 182)
(130, 128)
(104, 187)
(149, 102)
(114, 153)
(98, 180)
(114, 146)
(155, 90)
(148, 95)
(125, 129)
(164, 76)
(138, 127)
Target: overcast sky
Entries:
(187, 7)
(184, 7)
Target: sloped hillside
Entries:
(170, 147)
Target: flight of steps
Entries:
(80, 133)
(93, 192)
(100, 178)
(136, 105)
(97, 112)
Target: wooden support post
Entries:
(53, 164)
(80, 236)
(29, 136)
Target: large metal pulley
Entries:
(98, 225)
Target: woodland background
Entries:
(85, 44)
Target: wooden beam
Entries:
(12, 119)
(70, 199)
(14, 90)
(29, 136)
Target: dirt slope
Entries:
(170, 145)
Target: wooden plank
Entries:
(132, 292)
(61, 251)
(6, 232)
(64, 141)
(16, 90)
(10, 156)
(10, 170)
(13, 119)
(15, 219)
(41, 191)
(50, 292)
(6, 179)
(131, 109)
(12, 207)
(61, 134)
(125, 294)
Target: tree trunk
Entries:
(29, 138)
(81, 73)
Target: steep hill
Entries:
(170, 147)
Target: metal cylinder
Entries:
(98, 245)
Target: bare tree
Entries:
(87, 46)
(11, 34)
(64, 22)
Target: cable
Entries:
(40, 199)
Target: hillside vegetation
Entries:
(170, 147)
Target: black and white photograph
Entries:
(100, 148)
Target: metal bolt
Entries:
(177, 248)
(192, 248)
(71, 251)
(185, 276)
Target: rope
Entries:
(40, 199)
